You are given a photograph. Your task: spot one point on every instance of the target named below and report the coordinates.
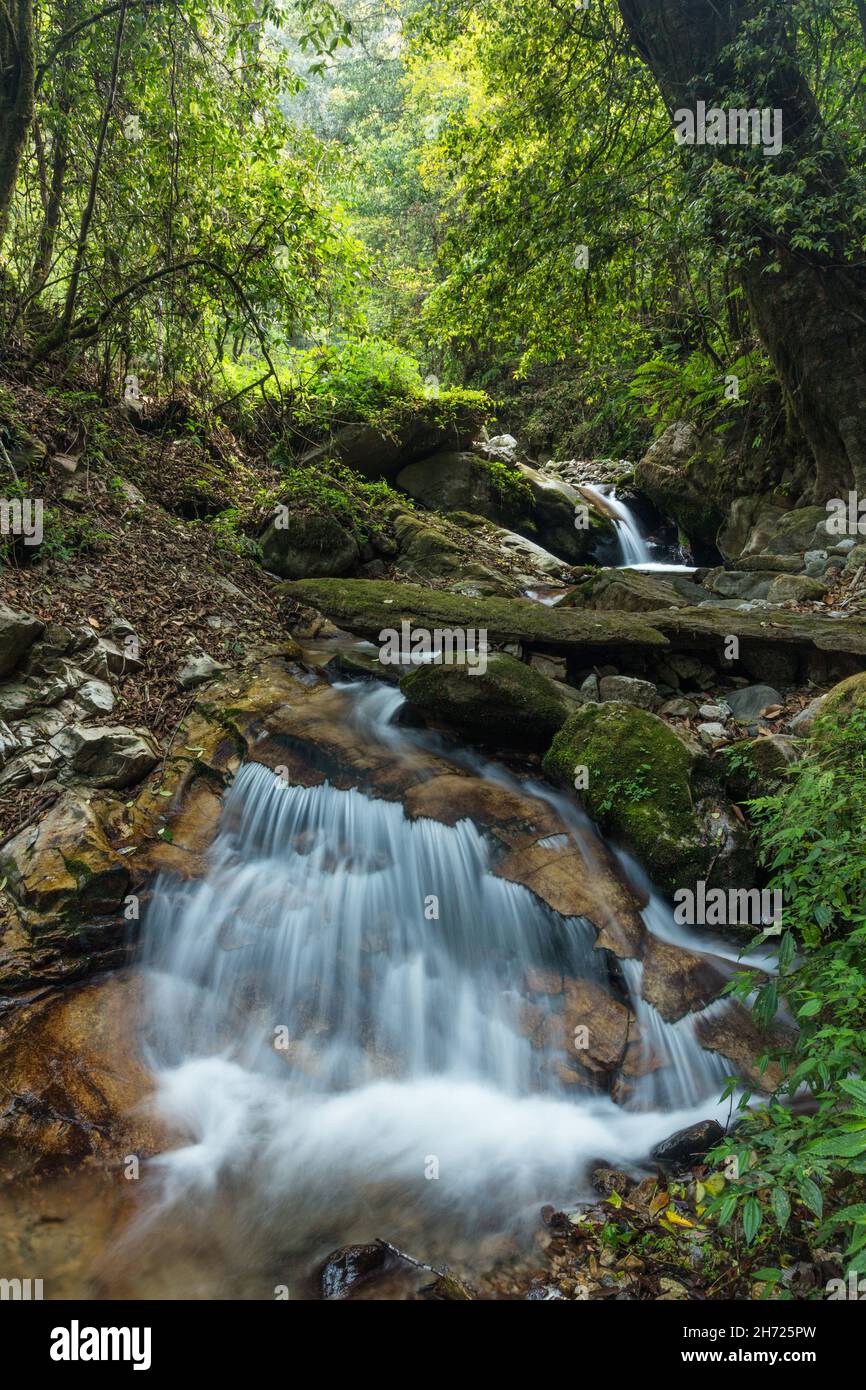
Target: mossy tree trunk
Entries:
(808, 303)
(17, 77)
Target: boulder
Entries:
(108, 755)
(631, 591)
(64, 869)
(677, 981)
(510, 705)
(757, 765)
(796, 588)
(450, 482)
(345, 1269)
(628, 689)
(733, 1033)
(688, 1146)
(749, 703)
(305, 547)
(18, 632)
(654, 793)
(427, 553)
(425, 429)
(197, 671)
(674, 475)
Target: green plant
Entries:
(809, 1164)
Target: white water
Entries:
(406, 1053)
(634, 550)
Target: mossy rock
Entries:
(756, 766)
(653, 793)
(510, 705)
(308, 547)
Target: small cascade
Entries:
(634, 550)
(340, 1008)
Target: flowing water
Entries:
(335, 1019)
(635, 551)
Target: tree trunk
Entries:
(17, 75)
(809, 307)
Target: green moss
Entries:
(509, 705)
(639, 786)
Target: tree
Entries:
(795, 224)
(17, 77)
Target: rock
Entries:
(740, 585)
(74, 1087)
(627, 689)
(673, 474)
(758, 765)
(712, 735)
(678, 709)
(734, 1033)
(510, 705)
(110, 658)
(427, 553)
(802, 723)
(594, 1027)
(305, 547)
(64, 869)
(95, 697)
(845, 697)
(18, 632)
(345, 1269)
(677, 982)
(450, 482)
(653, 792)
(717, 713)
(688, 1147)
(750, 702)
(793, 532)
(608, 1180)
(629, 591)
(425, 429)
(745, 514)
(591, 689)
(796, 588)
(554, 667)
(197, 671)
(769, 649)
(501, 444)
(109, 755)
(856, 558)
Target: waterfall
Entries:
(338, 1017)
(633, 548)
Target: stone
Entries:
(510, 705)
(712, 735)
(64, 869)
(856, 558)
(197, 670)
(758, 765)
(630, 591)
(751, 701)
(733, 1033)
(677, 981)
(740, 584)
(796, 588)
(678, 709)
(688, 1147)
(716, 713)
(95, 697)
(307, 546)
(629, 690)
(18, 632)
(109, 755)
(554, 667)
(652, 791)
(590, 688)
(802, 723)
(353, 1265)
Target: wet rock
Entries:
(688, 1146)
(345, 1269)
(734, 1033)
(677, 982)
(628, 689)
(64, 869)
(18, 632)
(734, 584)
(72, 1086)
(509, 705)
(197, 671)
(608, 1180)
(630, 591)
(304, 547)
(712, 735)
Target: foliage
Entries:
(335, 490)
(793, 1160)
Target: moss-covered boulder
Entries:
(756, 766)
(678, 474)
(510, 705)
(845, 697)
(301, 546)
(654, 793)
(426, 553)
(630, 591)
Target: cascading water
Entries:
(634, 550)
(337, 1015)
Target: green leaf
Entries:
(752, 1219)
